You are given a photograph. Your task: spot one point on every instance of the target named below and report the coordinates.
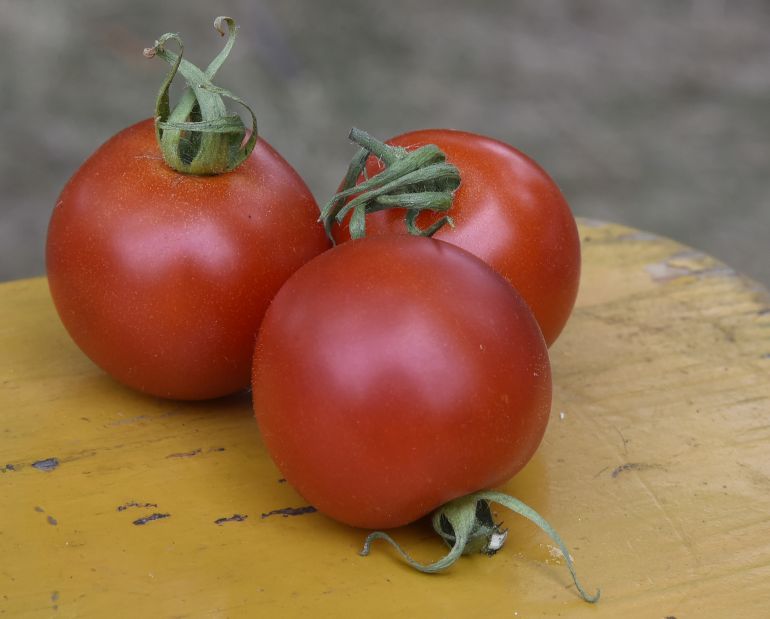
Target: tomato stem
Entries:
(467, 527)
(384, 152)
(199, 136)
(417, 181)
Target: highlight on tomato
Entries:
(505, 209)
(166, 246)
(395, 376)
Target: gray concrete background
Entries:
(654, 114)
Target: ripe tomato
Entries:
(509, 213)
(162, 278)
(393, 374)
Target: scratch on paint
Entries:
(185, 454)
(633, 466)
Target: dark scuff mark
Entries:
(141, 418)
(624, 440)
(51, 520)
(633, 466)
(125, 506)
(146, 519)
(194, 452)
(7, 468)
(233, 518)
(55, 597)
(282, 480)
(49, 464)
(291, 511)
(185, 454)
(765, 356)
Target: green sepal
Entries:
(467, 527)
(199, 136)
(415, 181)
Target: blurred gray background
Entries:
(654, 114)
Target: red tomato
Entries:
(509, 213)
(393, 374)
(162, 278)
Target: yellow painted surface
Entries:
(655, 469)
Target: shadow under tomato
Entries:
(531, 484)
(109, 401)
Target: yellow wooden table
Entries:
(655, 469)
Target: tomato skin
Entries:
(162, 278)
(393, 374)
(509, 213)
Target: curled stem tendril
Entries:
(199, 136)
(467, 527)
(416, 181)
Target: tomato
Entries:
(395, 373)
(508, 212)
(162, 278)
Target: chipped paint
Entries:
(125, 506)
(150, 518)
(290, 511)
(233, 518)
(556, 552)
(688, 262)
(47, 465)
(663, 271)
